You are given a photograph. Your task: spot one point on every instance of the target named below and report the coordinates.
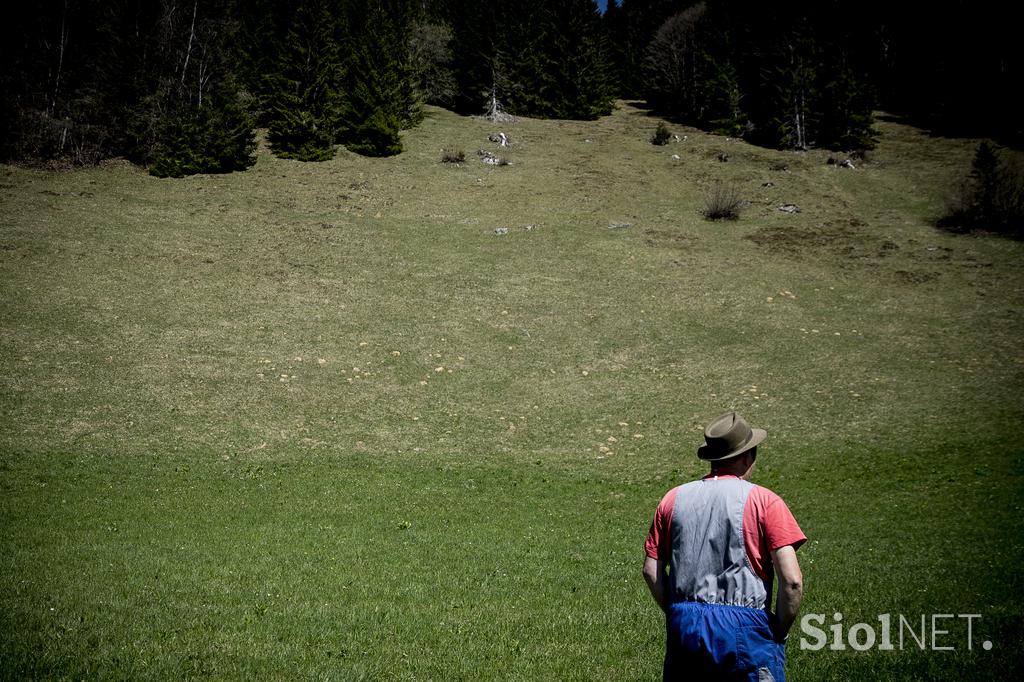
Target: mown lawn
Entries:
(321, 421)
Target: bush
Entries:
(34, 135)
(991, 199)
(453, 155)
(723, 202)
(661, 135)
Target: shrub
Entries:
(991, 198)
(661, 135)
(453, 155)
(723, 202)
(34, 135)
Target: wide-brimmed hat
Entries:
(728, 436)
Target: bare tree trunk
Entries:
(191, 35)
(60, 59)
(204, 77)
(801, 141)
(799, 100)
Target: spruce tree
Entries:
(263, 33)
(785, 113)
(216, 137)
(540, 58)
(846, 105)
(579, 74)
(723, 113)
(475, 41)
(306, 97)
(381, 95)
(613, 24)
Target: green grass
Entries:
(320, 421)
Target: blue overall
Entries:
(717, 623)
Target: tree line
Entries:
(181, 85)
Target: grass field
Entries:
(321, 421)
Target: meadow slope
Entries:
(323, 421)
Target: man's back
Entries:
(710, 555)
(708, 560)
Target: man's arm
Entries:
(654, 574)
(791, 588)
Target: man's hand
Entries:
(791, 589)
(654, 574)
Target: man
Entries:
(722, 539)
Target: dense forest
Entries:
(181, 85)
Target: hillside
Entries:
(380, 430)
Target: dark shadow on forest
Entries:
(936, 127)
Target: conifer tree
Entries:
(171, 87)
(381, 93)
(613, 23)
(306, 95)
(475, 41)
(846, 104)
(263, 31)
(579, 72)
(524, 64)
(215, 137)
(540, 58)
(785, 113)
(723, 113)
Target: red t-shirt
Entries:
(767, 525)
